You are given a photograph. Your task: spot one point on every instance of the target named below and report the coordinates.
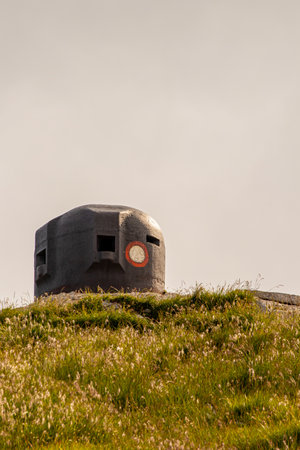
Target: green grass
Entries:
(204, 370)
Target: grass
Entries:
(204, 370)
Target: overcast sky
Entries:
(188, 110)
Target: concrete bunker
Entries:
(92, 246)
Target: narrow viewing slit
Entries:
(105, 243)
(153, 240)
(41, 258)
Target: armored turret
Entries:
(99, 246)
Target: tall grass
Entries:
(205, 370)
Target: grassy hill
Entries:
(204, 370)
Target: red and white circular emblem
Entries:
(137, 254)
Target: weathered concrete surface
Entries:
(288, 299)
(99, 246)
(283, 303)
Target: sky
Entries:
(187, 110)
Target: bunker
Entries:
(99, 246)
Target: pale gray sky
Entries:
(188, 110)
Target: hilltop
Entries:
(202, 370)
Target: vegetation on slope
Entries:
(205, 370)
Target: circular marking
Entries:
(137, 254)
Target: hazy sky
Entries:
(188, 110)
